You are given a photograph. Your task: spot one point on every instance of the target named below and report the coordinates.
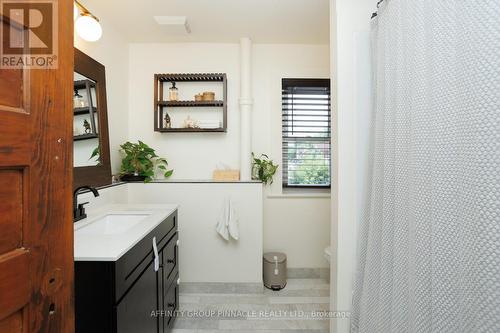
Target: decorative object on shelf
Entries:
(263, 169)
(162, 106)
(168, 123)
(78, 100)
(140, 162)
(226, 175)
(208, 96)
(87, 24)
(86, 126)
(190, 123)
(173, 93)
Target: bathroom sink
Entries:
(112, 224)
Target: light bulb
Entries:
(88, 28)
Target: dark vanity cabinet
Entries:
(133, 294)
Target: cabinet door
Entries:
(134, 312)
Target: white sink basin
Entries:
(112, 224)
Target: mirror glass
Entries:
(85, 122)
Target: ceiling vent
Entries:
(175, 22)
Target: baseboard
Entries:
(220, 288)
(250, 288)
(309, 273)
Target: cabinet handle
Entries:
(178, 281)
(157, 258)
(177, 243)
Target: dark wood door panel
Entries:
(14, 83)
(15, 139)
(11, 203)
(15, 323)
(14, 282)
(12, 89)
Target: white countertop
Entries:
(110, 247)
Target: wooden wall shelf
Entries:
(161, 106)
(192, 103)
(190, 130)
(82, 84)
(84, 110)
(85, 137)
(191, 77)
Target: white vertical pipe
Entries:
(246, 103)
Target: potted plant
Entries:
(140, 162)
(263, 169)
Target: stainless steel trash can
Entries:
(274, 270)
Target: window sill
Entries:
(300, 196)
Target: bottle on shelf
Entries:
(173, 93)
(78, 100)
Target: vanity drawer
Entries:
(170, 302)
(130, 267)
(170, 257)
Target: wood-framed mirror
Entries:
(91, 158)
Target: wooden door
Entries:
(36, 229)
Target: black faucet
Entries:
(79, 210)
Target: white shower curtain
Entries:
(429, 255)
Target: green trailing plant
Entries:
(263, 168)
(141, 160)
(96, 155)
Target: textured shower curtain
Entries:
(429, 254)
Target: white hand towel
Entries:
(233, 225)
(228, 224)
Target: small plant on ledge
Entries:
(96, 155)
(263, 169)
(140, 162)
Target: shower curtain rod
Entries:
(378, 5)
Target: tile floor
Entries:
(207, 310)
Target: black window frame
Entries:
(294, 85)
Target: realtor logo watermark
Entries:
(28, 33)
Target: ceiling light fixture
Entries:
(87, 25)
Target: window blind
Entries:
(306, 128)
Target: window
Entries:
(306, 133)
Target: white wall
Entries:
(298, 226)
(204, 255)
(350, 27)
(192, 155)
(112, 51)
